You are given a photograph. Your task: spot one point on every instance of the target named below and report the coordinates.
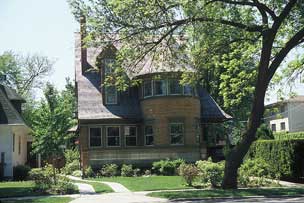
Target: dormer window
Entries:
(110, 91)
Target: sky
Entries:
(46, 27)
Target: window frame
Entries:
(107, 135)
(144, 84)
(183, 133)
(284, 124)
(166, 87)
(169, 89)
(101, 136)
(126, 136)
(273, 127)
(106, 96)
(150, 135)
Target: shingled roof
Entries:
(90, 101)
(9, 115)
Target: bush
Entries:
(89, 172)
(189, 172)
(255, 172)
(42, 178)
(148, 172)
(21, 172)
(284, 156)
(126, 170)
(77, 173)
(136, 172)
(71, 167)
(211, 173)
(264, 133)
(289, 136)
(167, 167)
(64, 186)
(71, 155)
(109, 170)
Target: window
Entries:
(95, 137)
(111, 95)
(177, 133)
(188, 90)
(160, 87)
(175, 87)
(283, 127)
(273, 127)
(14, 136)
(148, 88)
(282, 109)
(108, 66)
(131, 135)
(113, 137)
(149, 138)
(19, 145)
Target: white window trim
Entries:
(113, 126)
(116, 97)
(183, 133)
(100, 137)
(148, 135)
(125, 136)
(152, 89)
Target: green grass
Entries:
(230, 193)
(98, 187)
(17, 189)
(148, 183)
(42, 200)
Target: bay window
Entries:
(130, 135)
(160, 87)
(175, 87)
(148, 88)
(95, 137)
(113, 136)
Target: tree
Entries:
(52, 118)
(24, 73)
(154, 28)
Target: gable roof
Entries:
(90, 101)
(9, 114)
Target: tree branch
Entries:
(293, 42)
(277, 23)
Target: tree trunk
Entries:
(54, 171)
(235, 157)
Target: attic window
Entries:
(110, 91)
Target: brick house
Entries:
(156, 120)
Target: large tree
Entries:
(154, 28)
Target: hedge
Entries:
(285, 156)
(288, 136)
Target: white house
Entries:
(14, 133)
(287, 115)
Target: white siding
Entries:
(20, 133)
(296, 116)
(6, 146)
(278, 122)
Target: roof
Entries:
(90, 100)
(9, 115)
(210, 110)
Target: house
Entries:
(156, 120)
(14, 133)
(287, 115)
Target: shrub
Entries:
(167, 167)
(77, 173)
(136, 172)
(42, 178)
(71, 155)
(189, 172)
(147, 172)
(289, 136)
(71, 167)
(109, 170)
(211, 173)
(255, 172)
(264, 133)
(21, 172)
(126, 170)
(64, 186)
(89, 172)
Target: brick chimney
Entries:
(82, 44)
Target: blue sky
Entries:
(45, 27)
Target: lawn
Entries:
(148, 183)
(98, 187)
(41, 200)
(17, 189)
(230, 193)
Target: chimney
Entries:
(83, 33)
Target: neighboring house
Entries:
(14, 133)
(156, 120)
(287, 115)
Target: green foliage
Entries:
(255, 172)
(21, 172)
(69, 168)
(77, 173)
(264, 133)
(281, 155)
(136, 172)
(89, 172)
(109, 170)
(167, 167)
(189, 172)
(211, 173)
(127, 170)
(289, 136)
(147, 172)
(71, 161)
